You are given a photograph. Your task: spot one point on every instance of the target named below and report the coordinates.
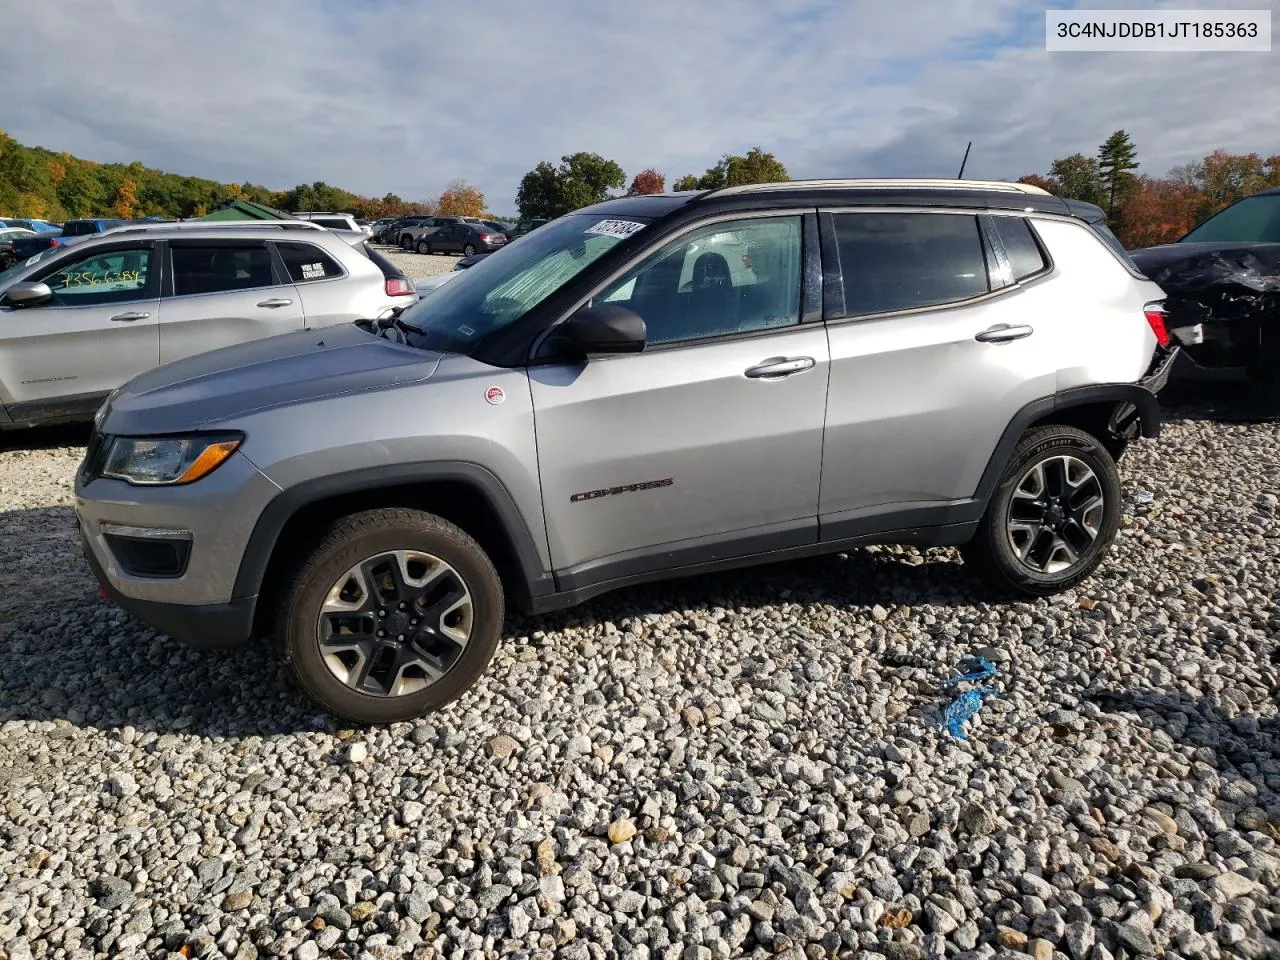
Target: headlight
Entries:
(167, 460)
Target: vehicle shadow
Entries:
(73, 655)
(1223, 401)
(44, 438)
(1224, 732)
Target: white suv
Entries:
(77, 322)
(333, 221)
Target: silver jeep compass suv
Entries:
(649, 387)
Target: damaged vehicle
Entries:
(582, 417)
(1222, 282)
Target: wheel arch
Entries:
(465, 494)
(1114, 413)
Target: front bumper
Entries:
(213, 626)
(194, 601)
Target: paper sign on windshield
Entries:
(615, 228)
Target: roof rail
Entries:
(1004, 186)
(183, 225)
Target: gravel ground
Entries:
(416, 266)
(747, 764)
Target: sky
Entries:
(405, 95)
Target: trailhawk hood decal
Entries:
(214, 387)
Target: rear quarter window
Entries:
(306, 262)
(1025, 256)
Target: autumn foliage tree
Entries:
(647, 181)
(460, 199)
(1154, 210)
(126, 204)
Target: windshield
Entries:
(502, 288)
(1253, 220)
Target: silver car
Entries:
(75, 323)
(613, 400)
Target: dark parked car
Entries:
(525, 226)
(392, 232)
(8, 237)
(80, 228)
(1223, 286)
(508, 230)
(470, 261)
(35, 226)
(462, 237)
(72, 232)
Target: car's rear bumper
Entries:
(1162, 367)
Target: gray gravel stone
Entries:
(768, 739)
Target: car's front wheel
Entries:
(1263, 370)
(424, 247)
(396, 613)
(1053, 515)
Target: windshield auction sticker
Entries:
(615, 228)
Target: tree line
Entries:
(581, 179)
(1143, 210)
(35, 182)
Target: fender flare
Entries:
(271, 522)
(1134, 404)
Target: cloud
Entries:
(403, 95)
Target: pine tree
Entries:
(1116, 158)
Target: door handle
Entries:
(275, 302)
(129, 317)
(776, 367)
(1003, 333)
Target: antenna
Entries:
(960, 175)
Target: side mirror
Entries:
(602, 329)
(28, 294)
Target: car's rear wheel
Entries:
(396, 613)
(1053, 515)
(424, 247)
(469, 250)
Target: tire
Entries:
(397, 684)
(424, 247)
(1011, 529)
(406, 243)
(469, 250)
(1264, 374)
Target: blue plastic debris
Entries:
(979, 668)
(964, 706)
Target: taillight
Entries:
(1154, 312)
(54, 243)
(485, 238)
(398, 287)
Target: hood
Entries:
(1190, 268)
(220, 385)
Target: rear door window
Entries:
(306, 262)
(220, 268)
(903, 261)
